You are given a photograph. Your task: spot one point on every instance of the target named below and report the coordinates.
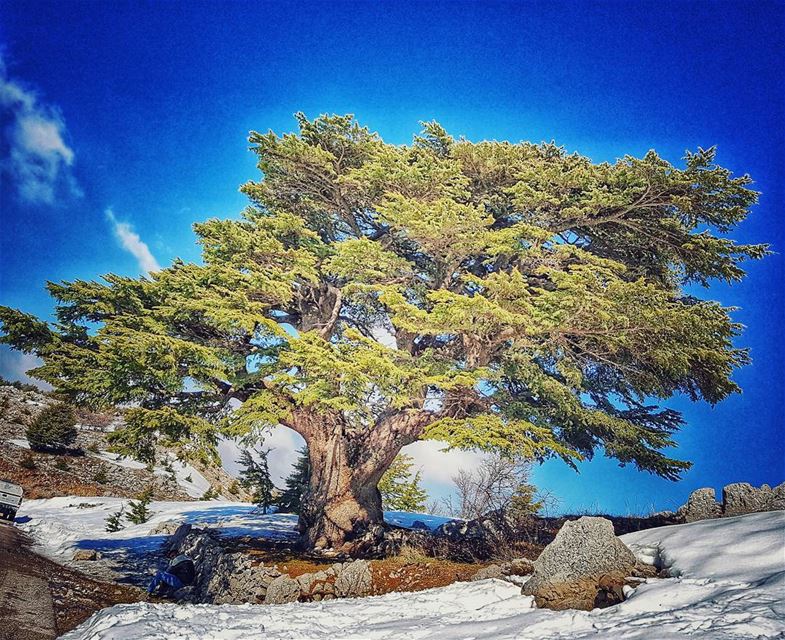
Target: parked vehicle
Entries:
(10, 499)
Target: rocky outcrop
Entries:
(353, 579)
(738, 499)
(701, 505)
(583, 561)
(381, 541)
(282, 590)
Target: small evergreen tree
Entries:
(524, 502)
(400, 488)
(27, 461)
(138, 509)
(296, 484)
(115, 520)
(210, 494)
(255, 477)
(53, 428)
(101, 475)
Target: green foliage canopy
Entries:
(535, 299)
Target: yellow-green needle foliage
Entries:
(490, 295)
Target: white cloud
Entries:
(14, 365)
(439, 467)
(34, 158)
(283, 444)
(133, 244)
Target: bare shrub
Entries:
(499, 484)
(499, 495)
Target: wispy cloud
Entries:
(34, 156)
(133, 244)
(15, 365)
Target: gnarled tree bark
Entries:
(343, 500)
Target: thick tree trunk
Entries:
(343, 500)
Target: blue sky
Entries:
(125, 122)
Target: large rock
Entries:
(174, 541)
(740, 498)
(282, 590)
(80, 555)
(584, 593)
(354, 579)
(570, 570)
(491, 571)
(701, 505)
(169, 528)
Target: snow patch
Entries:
(730, 585)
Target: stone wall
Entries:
(234, 577)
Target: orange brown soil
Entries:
(390, 574)
(52, 483)
(395, 574)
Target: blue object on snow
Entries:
(164, 577)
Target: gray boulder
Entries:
(491, 571)
(354, 579)
(174, 541)
(740, 498)
(80, 555)
(169, 527)
(584, 551)
(282, 590)
(701, 505)
(778, 497)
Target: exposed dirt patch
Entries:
(40, 599)
(394, 574)
(399, 573)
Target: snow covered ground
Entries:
(187, 477)
(729, 584)
(61, 525)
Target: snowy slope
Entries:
(731, 583)
(61, 525)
